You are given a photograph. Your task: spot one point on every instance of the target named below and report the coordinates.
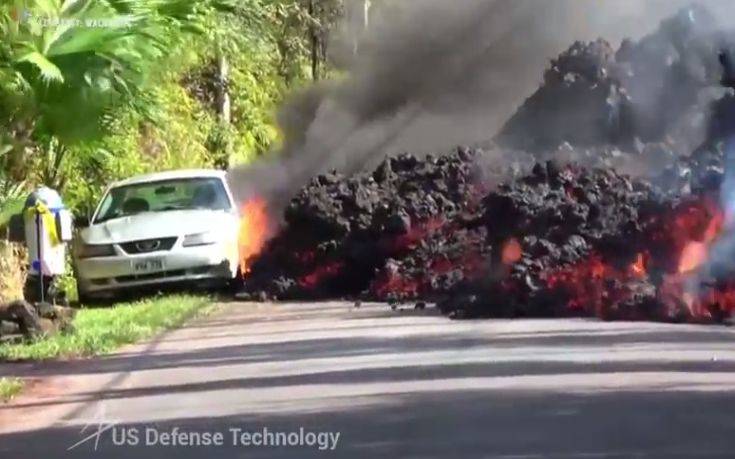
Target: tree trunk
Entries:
(363, 17)
(224, 104)
(224, 110)
(366, 14)
(315, 42)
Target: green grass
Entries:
(9, 388)
(101, 331)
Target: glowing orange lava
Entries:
(696, 252)
(253, 231)
(638, 269)
(693, 256)
(512, 252)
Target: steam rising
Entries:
(431, 74)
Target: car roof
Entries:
(171, 175)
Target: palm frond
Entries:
(66, 58)
(48, 70)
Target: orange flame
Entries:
(694, 255)
(696, 251)
(512, 252)
(638, 268)
(253, 231)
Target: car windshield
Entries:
(164, 196)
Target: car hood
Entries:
(153, 225)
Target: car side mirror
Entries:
(81, 221)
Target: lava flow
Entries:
(677, 247)
(692, 288)
(559, 241)
(543, 220)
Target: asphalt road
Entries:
(393, 384)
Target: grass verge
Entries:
(101, 331)
(9, 388)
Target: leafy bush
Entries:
(84, 107)
(12, 272)
(9, 388)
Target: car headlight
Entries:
(96, 251)
(195, 240)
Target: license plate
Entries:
(148, 266)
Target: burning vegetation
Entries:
(544, 222)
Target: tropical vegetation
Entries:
(92, 91)
(9, 388)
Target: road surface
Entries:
(329, 379)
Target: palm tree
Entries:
(76, 59)
(65, 65)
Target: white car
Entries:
(171, 227)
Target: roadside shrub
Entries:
(67, 283)
(12, 271)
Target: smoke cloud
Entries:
(431, 74)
